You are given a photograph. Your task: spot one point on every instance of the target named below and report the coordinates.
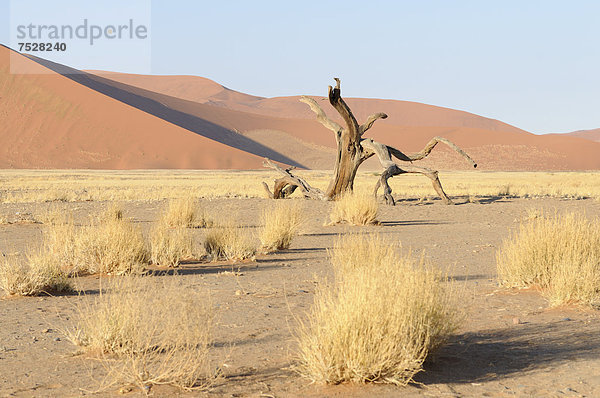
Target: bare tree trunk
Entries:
(350, 154)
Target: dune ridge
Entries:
(66, 118)
(592, 135)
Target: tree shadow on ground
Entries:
(486, 200)
(321, 234)
(305, 249)
(283, 260)
(495, 354)
(213, 268)
(412, 222)
(474, 277)
(458, 200)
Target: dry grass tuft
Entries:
(229, 242)
(355, 209)
(380, 318)
(559, 254)
(113, 246)
(281, 225)
(108, 246)
(149, 332)
(185, 212)
(38, 275)
(168, 246)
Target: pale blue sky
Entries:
(533, 64)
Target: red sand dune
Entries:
(202, 90)
(592, 135)
(50, 121)
(495, 145)
(113, 120)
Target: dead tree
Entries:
(352, 151)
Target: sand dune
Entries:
(496, 145)
(191, 88)
(405, 113)
(592, 135)
(113, 120)
(51, 121)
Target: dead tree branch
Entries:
(287, 184)
(427, 150)
(391, 169)
(370, 120)
(321, 116)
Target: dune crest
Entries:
(65, 118)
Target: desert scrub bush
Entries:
(185, 212)
(229, 242)
(379, 319)
(559, 254)
(170, 245)
(147, 332)
(355, 209)
(39, 274)
(281, 225)
(109, 245)
(113, 246)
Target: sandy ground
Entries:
(510, 344)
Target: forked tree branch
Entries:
(321, 116)
(391, 169)
(336, 100)
(427, 150)
(370, 120)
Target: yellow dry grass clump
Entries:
(109, 245)
(170, 245)
(229, 242)
(380, 318)
(281, 225)
(149, 332)
(112, 246)
(38, 275)
(559, 254)
(356, 209)
(185, 212)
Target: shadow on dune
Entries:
(165, 107)
(494, 354)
